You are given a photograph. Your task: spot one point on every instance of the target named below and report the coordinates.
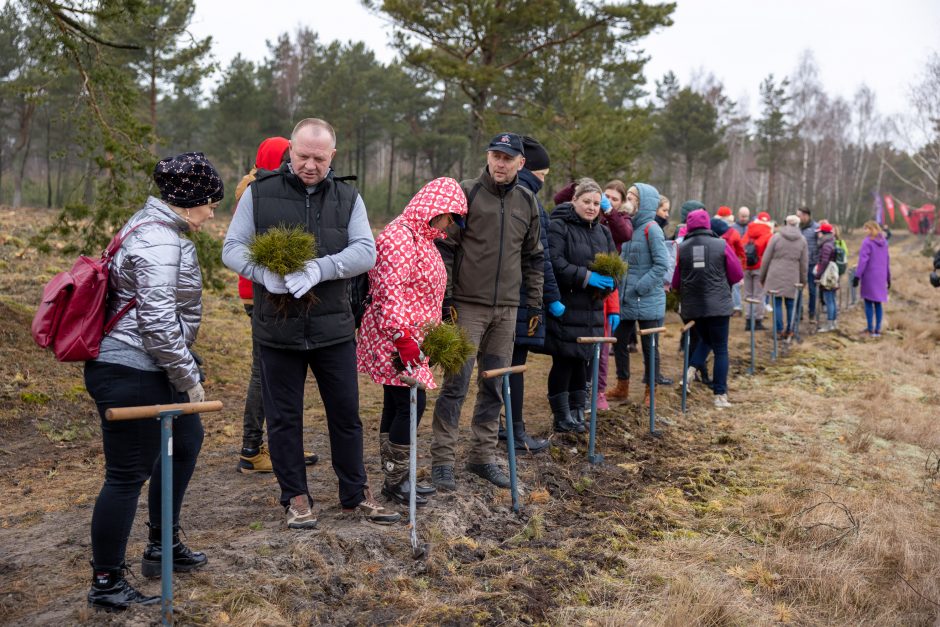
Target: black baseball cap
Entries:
(509, 143)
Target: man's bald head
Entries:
(312, 148)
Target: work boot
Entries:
(111, 592)
(561, 413)
(491, 472)
(621, 392)
(577, 401)
(443, 478)
(759, 325)
(747, 324)
(397, 486)
(254, 460)
(184, 559)
(373, 510)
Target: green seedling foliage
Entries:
(447, 344)
(609, 264)
(282, 249)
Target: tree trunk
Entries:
(48, 160)
(18, 180)
(391, 176)
(153, 103)
(688, 177)
(88, 195)
(414, 170)
(60, 168)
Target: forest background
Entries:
(92, 93)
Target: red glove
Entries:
(408, 350)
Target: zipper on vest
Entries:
(499, 258)
(307, 318)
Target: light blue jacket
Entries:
(642, 296)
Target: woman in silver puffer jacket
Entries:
(146, 360)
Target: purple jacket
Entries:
(874, 269)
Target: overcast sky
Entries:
(883, 44)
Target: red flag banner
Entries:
(904, 211)
(889, 204)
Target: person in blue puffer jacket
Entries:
(532, 177)
(642, 295)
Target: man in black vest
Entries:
(321, 337)
(486, 263)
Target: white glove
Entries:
(299, 283)
(196, 394)
(273, 282)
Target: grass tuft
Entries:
(609, 264)
(282, 249)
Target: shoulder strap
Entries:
(473, 193)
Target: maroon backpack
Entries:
(70, 317)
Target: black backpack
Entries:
(750, 254)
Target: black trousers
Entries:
(646, 342)
(520, 354)
(283, 373)
(253, 420)
(132, 454)
(396, 413)
(568, 374)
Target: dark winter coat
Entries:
(707, 268)
(826, 252)
(550, 292)
(572, 244)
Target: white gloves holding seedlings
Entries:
(299, 283)
(273, 282)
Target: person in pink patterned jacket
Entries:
(407, 292)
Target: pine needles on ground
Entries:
(609, 264)
(282, 249)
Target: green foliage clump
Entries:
(282, 249)
(672, 301)
(447, 345)
(609, 264)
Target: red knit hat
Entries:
(271, 153)
(825, 228)
(763, 216)
(724, 212)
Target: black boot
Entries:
(562, 414)
(184, 559)
(397, 487)
(111, 592)
(577, 401)
(525, 443)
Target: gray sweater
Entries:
(356, 258)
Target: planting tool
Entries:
(799, 311)
(166, 414)
(510, 436)
(686, 341)
(773, 312)
(652, 376)
(853, 291)
(423, 551)
(752, 302)
(595, 364)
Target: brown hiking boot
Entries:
(646, 396)
(299, 515)
(259, 462)
(373, 510)
(621, 392)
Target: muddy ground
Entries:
(806, 503)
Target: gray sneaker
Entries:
(373, 510)
(299, 515)
(491, 472)
(443, 478)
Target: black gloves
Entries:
(856, 281)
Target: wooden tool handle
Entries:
(490, 374)
(773, 292)
(597, 340)
(688, 325)
(798, 286)
(651, 331)
(152, 411)
(755, 301)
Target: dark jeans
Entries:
(779, 303)
(647, 344)
(396, 413)
(132, 454)
(713, 336)
(829, 298)
(282, 384)
(811, 290)
(873, 315)
(568, 374)
(626, 335)
(520, 354)
(253, 421)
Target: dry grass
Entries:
(813, 501)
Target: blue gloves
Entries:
(613, 321)
(605, 204)
(299, 283)
(600, 281)
(556, 308)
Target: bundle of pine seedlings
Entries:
(609, 264)
(445, 345)
(284, 250)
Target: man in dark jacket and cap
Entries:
(486, 264)
(532, 177)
